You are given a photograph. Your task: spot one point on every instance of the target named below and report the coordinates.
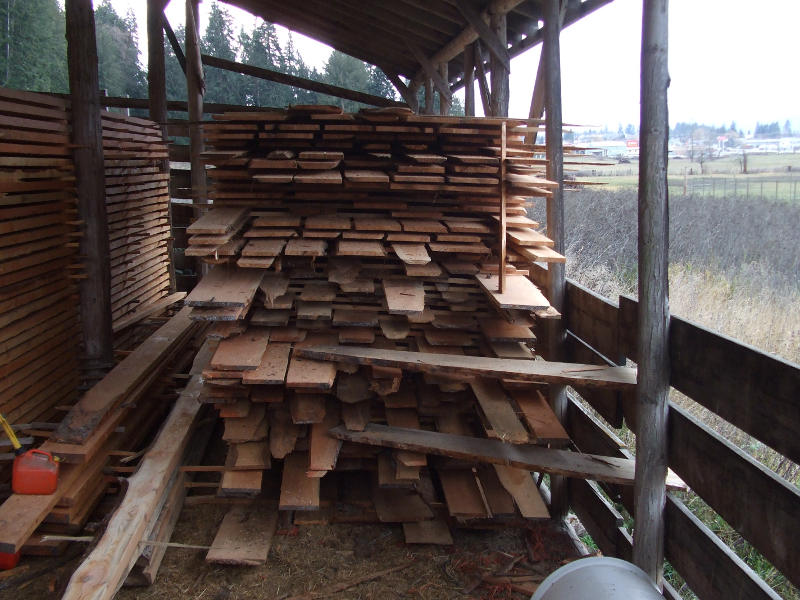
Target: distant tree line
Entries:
(33, 57)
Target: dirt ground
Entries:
(308, 560)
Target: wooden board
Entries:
(272, 368)
(245, 536)
(218, 221)
(496, 407)
(522, 487)
(241, 352)
(298, 491)
(222, 287)
(519, 292)
(411, 254)
(532, 458)
(539, 417)
(444, 364)
(305, 247)
(360, 248)
(461, 492)
(434, 531)
(400, 506)
(500, 330)
(324, 449)
(404, 297)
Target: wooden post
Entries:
(428, 96)
(652, 392)
(87, 136)
(500, 72)
(482, 85)
(551, 52)
(469, 81)
(501, 274)
(413, 100)
(195, 88)
(444, 102)
(156, 70)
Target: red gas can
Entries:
(8, 561)
(34, 472)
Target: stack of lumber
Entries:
(378, 232)
(39, 317)
(112, 420)
(137, 203)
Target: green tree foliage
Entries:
(261, 48)
(221, 86)
(120, 71)
(33, 50)
(345, 71)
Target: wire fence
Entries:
(785, 189)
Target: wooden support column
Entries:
(537, 97)
(87, 136)
(428, 97)
(156, 70)
(482, 84)
(469, 81)
(413, 101)
(444, 101)
(195, 88)
(652, 392)
(556, 283)
(500, 71)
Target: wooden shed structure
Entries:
(441, 46)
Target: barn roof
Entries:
(399, 36)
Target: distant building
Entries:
(617, 149)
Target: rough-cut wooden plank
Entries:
(324, 449)
(411, 254)
(532, 458)
(448, 364)
(272, 368)
(253, 427)
(298, 492)
(522, 487)
(462, 494)
(404, 297)
(104, 570)
(307, 408)
(223, 287)
(540, 418)
(500, 330)
(218, 220)
(241, 352)
(245, 535)
(496, 407)
(357, 415)
(519, 292)
(305, 247)
(394, 328)
(395, 505)
(360, 248)
(268, 247)
(283, 433)
(122, 380)
(147, 310)
(241, 483)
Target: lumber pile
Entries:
(111, 421)
(137, 204)
(378, 233)
(39, 321)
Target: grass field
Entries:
(769, 177)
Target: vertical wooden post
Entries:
(537, 97)
(501, 274)
(195, 88)
(469, 81)
(551, 52)
(499, 100)
(428, 96)
(87, 135)
(413, 98)
(444, 102)
(482, 85)
(156, 69)
(652, 391)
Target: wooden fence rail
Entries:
(751, 389)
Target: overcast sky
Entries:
(730, 60)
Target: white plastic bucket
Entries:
(597, 578)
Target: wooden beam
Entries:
(530, 458)
(457, 45)
(87, 137)
(493, 41)
(469, 81)
(301, 82)
(156, 69)
(428, 97)
(102, 573)
(173, 41)
(483, 86)
(500, 72)
(458, 365)
(537, 98)
(444, 102)
(555, 225)
(652, 395)
(430, 69)
(195, 87)
(405, 91)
